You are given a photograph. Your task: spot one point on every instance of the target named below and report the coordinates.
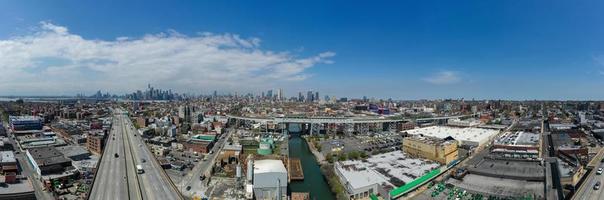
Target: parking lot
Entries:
(371, 142)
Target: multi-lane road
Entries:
(117, 177)
(586, 190)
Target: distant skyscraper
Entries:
(280, 94)
(317, 97)
(309, 96)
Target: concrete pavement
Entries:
(111, 179)
(117, 178)
(586, 190)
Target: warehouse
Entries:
(465, 136)
(270, 179)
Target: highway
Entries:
(155, 184)
(112, 180)
(117, 177)
(192, 178)
(586, 191)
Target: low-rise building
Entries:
(270, 179)
(74, 153)
(25, 123)
(518, 144)
(95, 142)
(440, 150)
(198, 146)
(47, 160)
(8, 163)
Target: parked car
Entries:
(599, 172)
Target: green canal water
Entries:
(313, 179)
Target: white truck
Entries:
(139, 169)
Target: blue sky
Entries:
(403, 50)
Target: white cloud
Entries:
(444, 77)
(53, 60)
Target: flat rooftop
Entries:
(471, 134)
(23, 186)
(7, 157)
(47, 156)
(519, 138)
(499, 186)
(513, 169)
(386, 167)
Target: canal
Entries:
(314, 183)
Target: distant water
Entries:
(313, 179)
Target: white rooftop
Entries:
(518, 138)
(471, 134)
(268, 166)
(395, 164)
(7, 157)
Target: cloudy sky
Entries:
(469, 49)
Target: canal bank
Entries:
(314, 181)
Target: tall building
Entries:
(309, 97)
(280, 94)
(184, 112)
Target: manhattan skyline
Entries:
(403, 50)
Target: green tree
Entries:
(363, 155)
(342, 157)
(354, 155)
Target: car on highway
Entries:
(597, 185)
(143, 160)
(139, 169)
(116, 155)
(188, 188)
(599, 172)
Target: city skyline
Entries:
(502, 50)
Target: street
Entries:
(192, 178)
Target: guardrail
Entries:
(98, 164)
(140, 191)
(162, 171)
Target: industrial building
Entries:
(469, 136)
(47, 160)
(381, 173)
(25, 123)
(8, 161)
(359, 182)
(518, 144)
(443, 151)
(270, 180)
